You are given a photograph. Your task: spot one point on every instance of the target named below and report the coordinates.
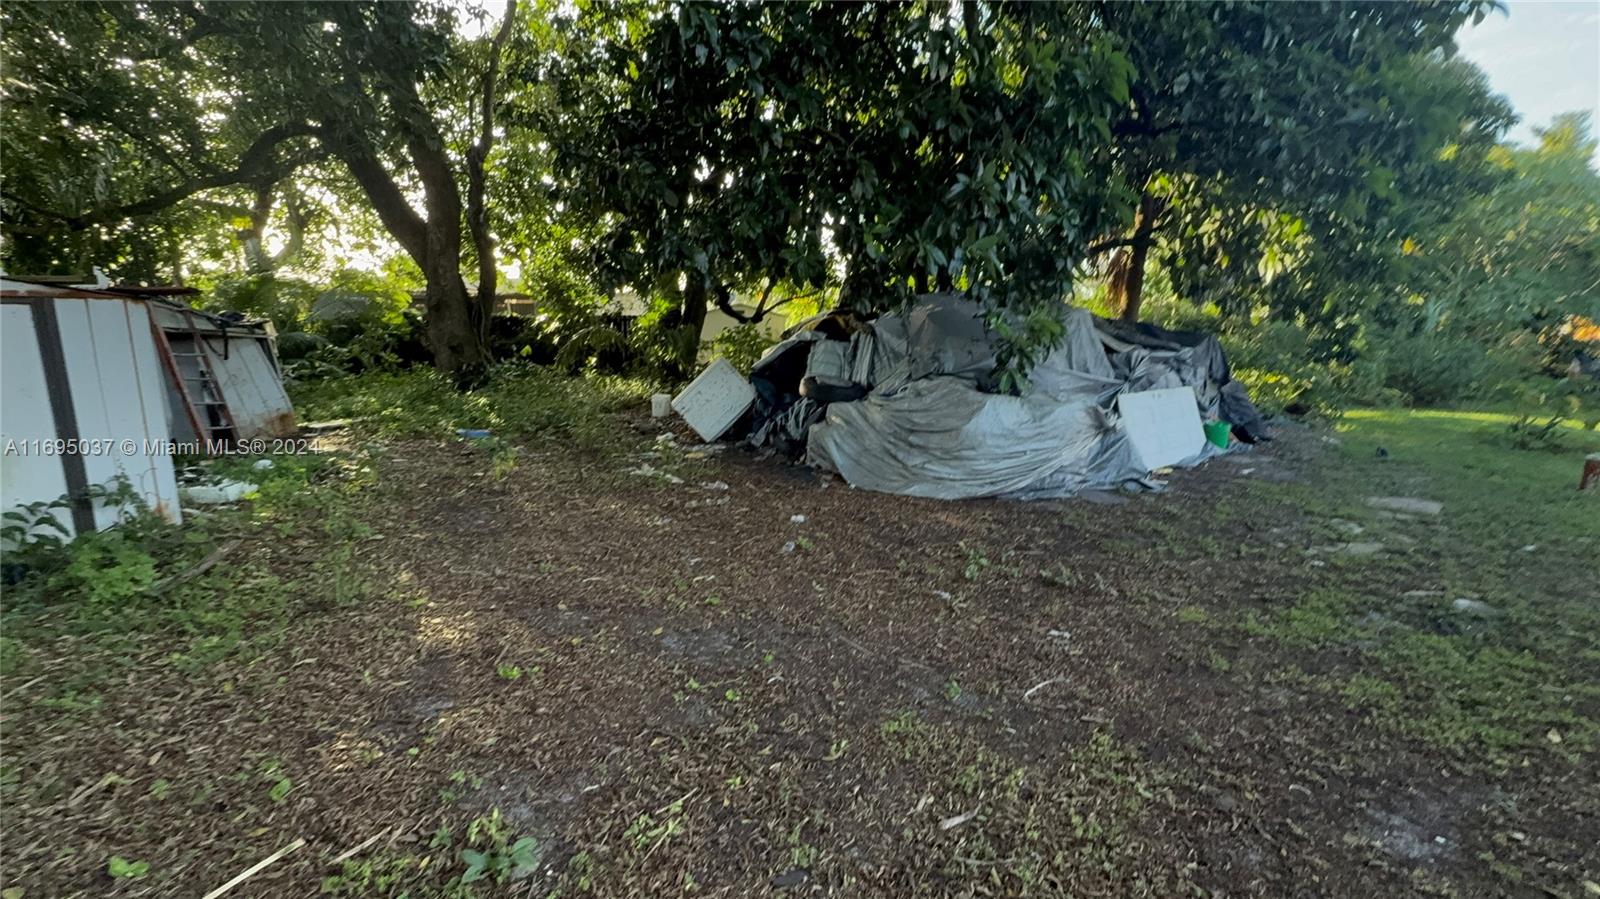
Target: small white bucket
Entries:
(660, 405)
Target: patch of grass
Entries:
(1514, 679)
(484, 861)
(495, 854)
(122, 869)
(520, 400)
(1068, 826)
(1489, 487)
(198, 593)
(1461, 691)
(976, 562)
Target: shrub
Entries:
(1432, 369)
(1528, 433)
(285, 301)
(741, 345)
(513, 336)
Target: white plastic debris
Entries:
(650, 471)
(955, 821)
(660, 405)
(797, 519)
(263, 465)
(216, 494)
(1468, 606)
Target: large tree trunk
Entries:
(1127, 266)
(1127, 280)
(256, 261)
(451, 328)
(691, 323)
(477, 181)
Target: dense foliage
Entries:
(1326, 180)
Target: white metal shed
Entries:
(83, 403)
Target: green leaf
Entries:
(123, 869)
(525, 857)
(477, 865)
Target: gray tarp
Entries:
(929, 427)
(940, 437)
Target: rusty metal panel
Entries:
(249, 379)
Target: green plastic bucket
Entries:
(1217, 432)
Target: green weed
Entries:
(122, 869)
(520, 401)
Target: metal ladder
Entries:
(208, 410)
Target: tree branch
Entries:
(256, 163)
(1141, 235)
(725, 303)
(1102, 246)
(387, 200)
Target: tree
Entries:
(108, 124)
(893, 147)
(1287, 108)
(1524, 254)
(257, 89)
(1337, 268)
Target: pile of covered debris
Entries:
(907, 403)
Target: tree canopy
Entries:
(1328, 163)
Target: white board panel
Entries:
(26, 476)
(1163, 425)
(714, 401)
(252, 386)
(155, 387)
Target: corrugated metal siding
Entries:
(26, 477)
(117, 387)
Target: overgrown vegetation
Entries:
(453, 671)
(193, 589)
(465, 675)
(1330, 188)
(519, 401)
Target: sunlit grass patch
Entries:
(519, 401)
(1488, 485)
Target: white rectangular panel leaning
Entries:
(714, 401)
(1163, 425)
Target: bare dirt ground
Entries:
(685, 689)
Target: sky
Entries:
(1543, 55)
